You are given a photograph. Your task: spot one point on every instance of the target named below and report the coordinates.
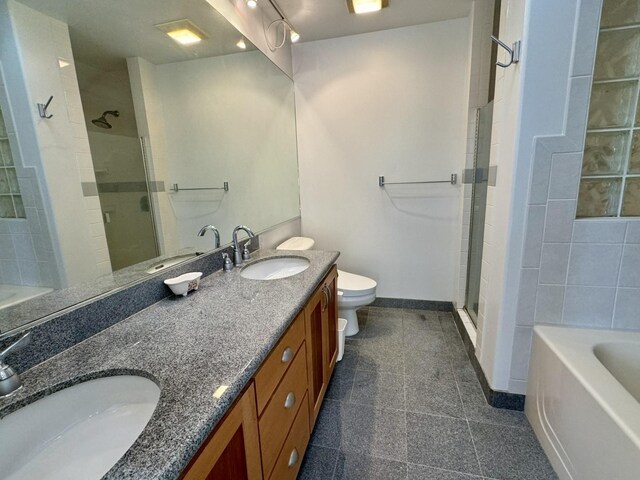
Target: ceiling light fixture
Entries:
(252, 3)
(184, 32)
(242, 44)
(283, 22)
(366, 6)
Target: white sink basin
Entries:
(274, 268)
(76, 433)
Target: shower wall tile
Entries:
(589, 231)
(627, 308)
(527, 296)
(521, 352)
(549, 304)
(630, 269)
(554, 263)
(539, 189)
(558, 226)
(594, 264)
(565, 176)
(589, 306)
(633, 232)
(533, 238)
(586, 37)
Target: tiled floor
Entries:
(405, 403)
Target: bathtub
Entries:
(583, 401)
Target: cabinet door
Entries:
(233, 451)
(331, 322)
(314, 313)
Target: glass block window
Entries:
(10, 200)
(610, 179)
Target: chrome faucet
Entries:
(215, 231)
(9, 378)
(239, 256)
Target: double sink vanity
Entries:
(225, 383)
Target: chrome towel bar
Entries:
(453, 180)
(177, 189)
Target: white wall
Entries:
(58, 147)
(390, 103)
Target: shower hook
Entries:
(42, 108)
(514, 52)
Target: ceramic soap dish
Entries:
(184, 283)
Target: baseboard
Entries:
(413, 304)
(497, 399)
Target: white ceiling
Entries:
(320, 19)
(104, 32)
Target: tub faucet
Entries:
(238, 256)
(9, 378)
(215, 231)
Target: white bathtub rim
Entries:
(607, 391)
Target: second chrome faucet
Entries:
(239, 257)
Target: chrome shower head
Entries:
(102, 121)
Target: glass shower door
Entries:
(478, 208)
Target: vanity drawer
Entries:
(280, 413)
(290, 458)
(276, 364)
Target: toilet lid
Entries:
(296, 243)
(352, 285)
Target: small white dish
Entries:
(184, 283)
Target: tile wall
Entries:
(578, 272)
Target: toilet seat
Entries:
(352, 285)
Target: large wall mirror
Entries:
(164, 119)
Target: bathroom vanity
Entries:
(265, 433)
(242, 366)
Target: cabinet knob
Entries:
(287, 355)
(290, 401)
(293, 458)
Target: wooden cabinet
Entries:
(321, 322)
(232, 452)
(265, 433)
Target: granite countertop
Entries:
(190, 346)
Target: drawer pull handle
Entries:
(293, 458)
(290, 401)
(287, 355)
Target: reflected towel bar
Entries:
(225, 187)
(453, 180)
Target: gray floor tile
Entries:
(477, 409)
(378, 432)
(319, 463)
(427, 366)
(379, 389)
(340, 386)
(427, 341)
(385, 311)
(417, 320)
(328, 428)
(420, 472)
(510, 453)
(360, 467)
(464, 372)
(381, 358)
(439, 397)
(441, 442)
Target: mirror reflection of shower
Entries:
(102, 121)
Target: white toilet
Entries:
(354, 291)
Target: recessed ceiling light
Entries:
(366, 6)
(184, 32)
(242, 44)
(63, 63)
(252, 3)
(294, 36)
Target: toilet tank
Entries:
(296, 243)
